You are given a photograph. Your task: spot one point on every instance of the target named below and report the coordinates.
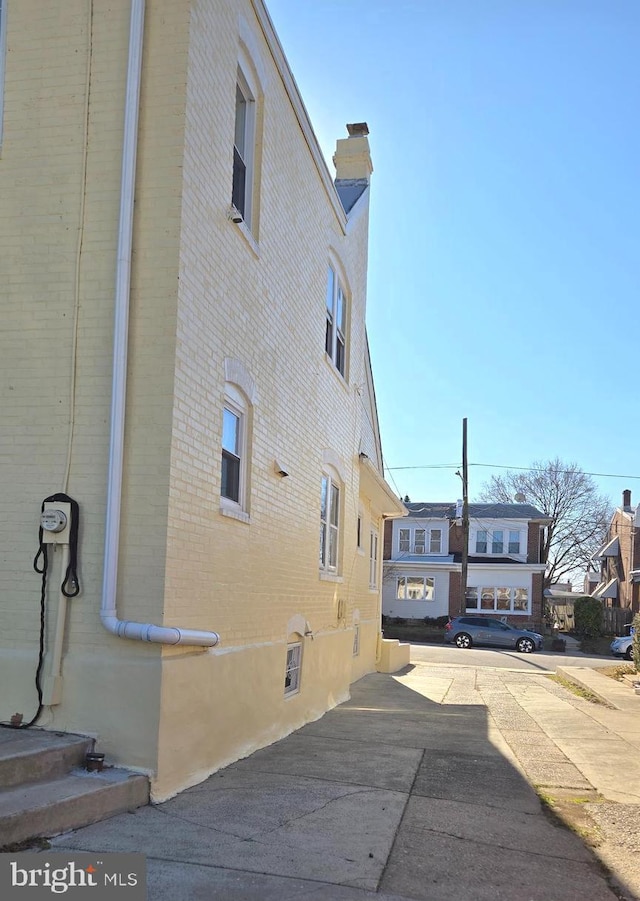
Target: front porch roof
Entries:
(607, 590)
(610, 548)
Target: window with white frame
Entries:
(498, 599)
(404, 541)
(514, 541)
(415, 588)
(373, 559)
(329, 524)
(293, 669)
(234, 470)
(336, 325)
(244, 149)
(493, 542)
(419, 541)
(435, 541)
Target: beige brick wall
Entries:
(200, 293)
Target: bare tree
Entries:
(579, 514)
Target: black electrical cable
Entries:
(70, 579)
(71, 575)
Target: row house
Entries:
(614, 574)
(423, 562)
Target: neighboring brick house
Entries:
(423, 562)
(615, 573)
(185, 355)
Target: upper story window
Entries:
(420, 541)
(232, 456)
(236, 428)
(336, 328)
(329, 524)
(244, 149)
(495, 542)
(373, 559)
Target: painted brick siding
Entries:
(534, 541)
(201, 293)
(268, 312)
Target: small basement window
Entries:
(293, 668)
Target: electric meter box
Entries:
(55, 521)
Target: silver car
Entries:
(622, 647)
(465, 631)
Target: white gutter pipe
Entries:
(108, 612)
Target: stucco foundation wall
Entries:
(220, 706)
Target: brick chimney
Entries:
(626, 498)
(352, 158)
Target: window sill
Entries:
(240, 515)
(330, 577)
(332, 366)
(247, 234)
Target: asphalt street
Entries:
(446, 655)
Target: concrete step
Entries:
(33, 755)
(57, 805)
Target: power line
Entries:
(602, 475)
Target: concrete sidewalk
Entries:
(418, 788)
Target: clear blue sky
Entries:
(504, 252)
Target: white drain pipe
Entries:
(108, 612)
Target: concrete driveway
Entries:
(419, 787)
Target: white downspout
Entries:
(108, 612)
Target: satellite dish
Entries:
(520, 498)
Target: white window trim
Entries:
(411, 531)
(238, 405)
(480, 611)
(332, 354)
(326, 568)
(374, 553)
(489, 535)
(243, 85)
(294, 688)
(425, 580)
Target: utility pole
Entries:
(465, 522)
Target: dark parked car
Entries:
(465, 631)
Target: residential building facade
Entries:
(614, 576)
(423, 562)
(185, 358)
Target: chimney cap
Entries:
(357, 129)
